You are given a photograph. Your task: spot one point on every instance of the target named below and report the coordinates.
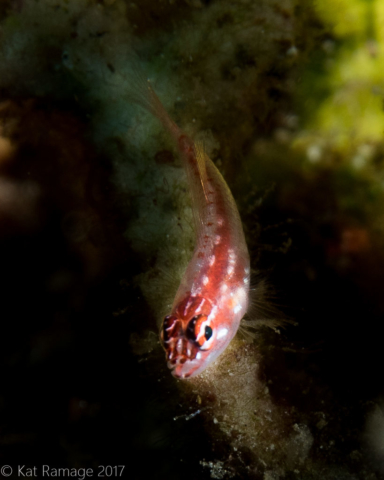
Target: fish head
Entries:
(190, 337)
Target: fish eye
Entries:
(208, 332)
(199, 332)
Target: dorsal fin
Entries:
(201, 158)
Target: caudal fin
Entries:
(115, 73)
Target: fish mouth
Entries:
(181, 357)
(181, 351)
(183, 368)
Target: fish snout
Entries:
(179, 350)
(178, 345)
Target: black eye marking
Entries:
(208, 332)
(191, 328)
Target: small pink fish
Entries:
(213, 294)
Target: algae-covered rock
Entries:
(96, 229)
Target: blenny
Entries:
(213, 294)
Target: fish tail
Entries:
(122, 73)
(139, 91)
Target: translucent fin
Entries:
(197, 181)
(139, 90)
(262, 312)
(122, 73)
(201, 159)
(247, 327)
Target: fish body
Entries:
(213, 294)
